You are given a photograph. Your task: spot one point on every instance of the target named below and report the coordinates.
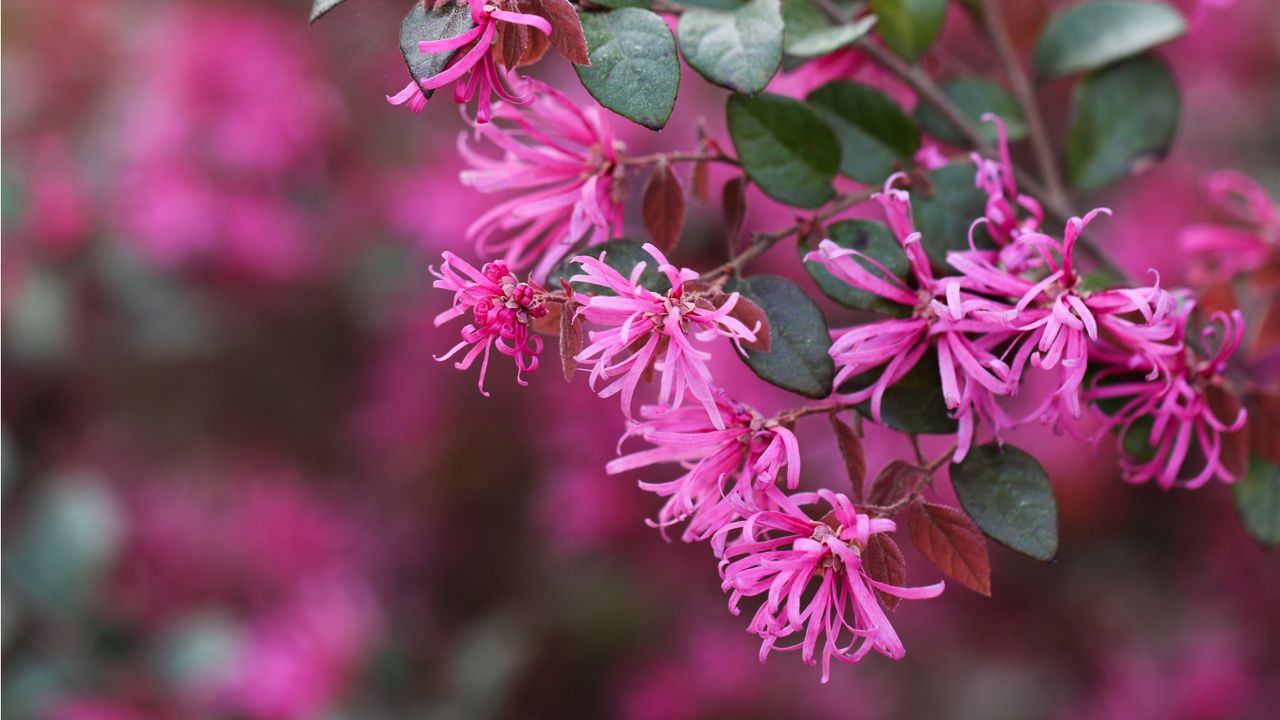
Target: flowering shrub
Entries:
(982, 277)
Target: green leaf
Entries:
(810, 33)
(876, 136)
(799, 341)
(943, 217)
(422, 24)
(1257, 497)
(1091, 35)
(973, 96)
(913, 404)
(1123, 117)
(320, 7)
(634, 69)
(623, 255)
(739, 49)
(1008, 495)
(909, 27)
(785, 147)
(874, 240)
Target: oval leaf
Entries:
(895, 482)
(797, 359)
(876, 136)
(1123, 117)
(622, 255)
(909, 27)
(634, 70)
(949, 540)
(664, 206)
(1257, 497)
(853, 453)
(1091, 35)
(1007, 493)
(566, 29)
(571, 336)
(423, 24)
(914, 404)
(882, 560)
(943, 214)
(875, 240)
(974, 96)
(785, 147)
(810, 33)
(739, 49)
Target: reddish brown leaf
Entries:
(894, 483)
(883, 561)
(1235, 446)
(855, 457)
(947, 538)
(566, 29)
(548, 324)
(1264, 424)
(535, 49)
(514, 39)
(733, 203)
(570, 339)
(664, 206)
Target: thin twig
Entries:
(680, 156)
(993, 19)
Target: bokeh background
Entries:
(237, 485)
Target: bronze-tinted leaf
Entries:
(947, 538)
(894, 483)
(535, 49)
(1264, 425)
(1235, 446)
(548, 324)
(664, 206)
(733, 203)
(570, 339)
(514, 40)
(882, 559)
(566, 29)
(855, 456)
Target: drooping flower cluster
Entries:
(649, 331)
(502, 309)
(565, 161)
(812, 574)
(479, 63)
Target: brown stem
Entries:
(927, 471)
(680, 156)
(998, 31)
(763, 241)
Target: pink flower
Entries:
(1008, 212)
(565, 161)
(648, 329)
(1246, 246)
(816, 587)
(708, 494)
(480, 61)
(501, 308)
(1177, 409)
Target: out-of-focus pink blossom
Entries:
(479, 63)
(726, 469)
(564, 160)
(502, 309)
(651, 329)
(1251, 242)
(817, 589)
(1184, 429)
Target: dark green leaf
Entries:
(876, 136)
(797, 359)
(913, 404)
(810, 33)
(785, 147)
(973, 96)
(1007, 493)
(622, 256)
(422, 24)
(1124, 117)
(738, 49)
(943, 217)
(909, 27)
(320, 7)
(634, 70)
(1257, 497)
(1091, 35)
(874, 240)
